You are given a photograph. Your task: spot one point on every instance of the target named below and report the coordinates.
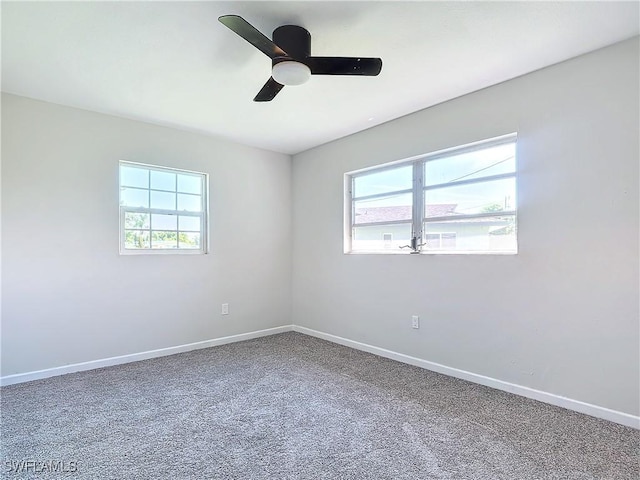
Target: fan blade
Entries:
(344, 66)
(252, 35)
(269, 91)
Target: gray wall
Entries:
(562, 315)
(68, 296)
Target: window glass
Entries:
(372, 238)
(136, 239)
(164, 222)
(134, 197)
(134, 177)
(189, 184)
(479, 163)
(160, 239)
(136, 220)
(189, 240)
(386, 209)
(163, 200)
(388, 180)
(471, 198)
(187, 223)
(163, 181)
(190, 203)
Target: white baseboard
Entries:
(134, 357)
(550, 398)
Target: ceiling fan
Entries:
(290, 53)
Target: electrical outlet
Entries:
(415, 321)
(225, 309)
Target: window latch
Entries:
(414, 245)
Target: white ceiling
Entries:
(174, 64)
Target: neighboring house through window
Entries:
(162, 210)
(440, 240)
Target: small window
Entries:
(162, 210)
(461, 200)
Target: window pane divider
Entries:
(418, 204)
(468, 216)
(471, 180)
(382, 195)
(388, 222)
(159, 211)
(377, 169)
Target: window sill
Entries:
(417, 254)
(162, 252)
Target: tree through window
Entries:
(162, 209)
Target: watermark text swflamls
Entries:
(40, 466)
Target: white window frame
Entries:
(203, 215)
(418, 190)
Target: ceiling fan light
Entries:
(290, 73)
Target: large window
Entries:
(461, 200)
(162, 210)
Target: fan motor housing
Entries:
(291, 60)
(294, 40)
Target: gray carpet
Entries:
(291, 406)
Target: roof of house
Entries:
(400, 212)
(365, 215)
